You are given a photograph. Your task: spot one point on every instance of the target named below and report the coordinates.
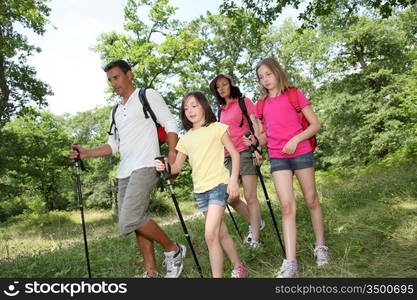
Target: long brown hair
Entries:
(282, 78)
(209, 115)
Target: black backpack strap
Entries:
(146, 107)
(244, 110)
(113, 122)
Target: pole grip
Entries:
(252, 147)
(166, 173)
(78, 159)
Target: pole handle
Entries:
(78, 159)
(252, 147)
(166, 173)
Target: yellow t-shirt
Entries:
(205, 152)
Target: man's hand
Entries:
(160, 167)
(83, 152)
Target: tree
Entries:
(365, 103)
(154, 51)
(35, 160)
(268, 11)
(18, 85)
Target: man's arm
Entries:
(104, 150)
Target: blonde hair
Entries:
(282, 78)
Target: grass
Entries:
(370, 222)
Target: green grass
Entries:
(370, 223)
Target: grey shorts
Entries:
(133, 197)
(294, 163)
(246, 163)
(215, 196)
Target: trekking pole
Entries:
(166, 174)
(79, 165)
(234, 222)
(258, 170)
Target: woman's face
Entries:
(223, 87)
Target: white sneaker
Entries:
(173, 261)
(254, 245)
(249, 237)
(288, 269)
(321, 252)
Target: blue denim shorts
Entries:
(294, 163)
(215, 196)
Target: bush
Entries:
(12, 207)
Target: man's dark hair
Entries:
(120, 63)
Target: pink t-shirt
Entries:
(232, 116)
(282, 123)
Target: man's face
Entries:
(120, 81)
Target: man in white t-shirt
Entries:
(135, 138)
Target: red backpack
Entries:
(292, 97)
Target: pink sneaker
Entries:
(239, 272)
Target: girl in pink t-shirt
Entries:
(290, 153)
(227, 95)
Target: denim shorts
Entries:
(294, 163)
(215, 196)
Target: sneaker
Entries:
(146, 275)
(254, 245)
(250, 234)
(321, 252)
(288, 269)
(173, 261)
(239, 272)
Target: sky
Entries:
(67, 63)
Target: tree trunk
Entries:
(5, 92)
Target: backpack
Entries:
(292, 97)
(147, 110)
(245, 114)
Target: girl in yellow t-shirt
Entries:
(204, 145)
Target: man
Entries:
(135, 138)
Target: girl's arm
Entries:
(256, 127)
(175, 167)
(311, 130)
(233, 186)
(262, 133)
(252, 140)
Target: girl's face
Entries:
(194, 111)
(223, 87)
(267, 78)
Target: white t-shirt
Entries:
(136, 138)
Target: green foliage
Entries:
(35, 161)
(11, 207)
(18, 83)
(156, 51)
(268, 11)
